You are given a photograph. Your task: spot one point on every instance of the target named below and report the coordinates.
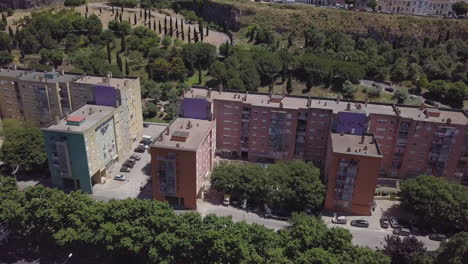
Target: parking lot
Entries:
(136, 184)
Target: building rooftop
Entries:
(6, 72)
(51, 77)
(355, 145)
(88, 115)
(297, 102)
(105, 81)
(184, 134)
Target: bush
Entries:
(373, 92)
(74, 2)
(124, 3)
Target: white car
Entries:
(145, 146)
(120, 177)
(340, 220)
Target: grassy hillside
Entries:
(298, 17)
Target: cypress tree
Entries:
(207, 30)
(109, 53)
(10, 31)
(86, 15)
(149, 13)
(134, 19)
(176, 24)
(120, 17)
(165, 26)
(145, 15)
(289, 85)
(183, 34)
(141, 14)
(129, 21)
(149, 24)
(86, 8)
(182, 26)
(121, 9)
(170, 26)
(200, 29)
(100, 11)
(159, 25)
(112, 9)
(154, 25)
(119, 61)
(195, 35)
(123, 43)
(188, 35)
(127, 69)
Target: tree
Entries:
(127, 69)
(200, 30)
(23, 145)
(119, 61)
(109, 53)
(454, 251)
(268, 66)
(403, 250)
(123, 43)
(166, 41)
(56, 57)
(199, 56)
(5, 58)
(235, 84)
(289, 87)
(150, 110)
(439, 203)
(399, 71)
(460, 8)
(400, 96)
(5, 41)
(348, 91)
(135, 20)
(160, 70)
(372, 4)
(171, 30)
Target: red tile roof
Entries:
(75, 119)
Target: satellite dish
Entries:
(15, 170)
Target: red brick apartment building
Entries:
(181, 161)
(383, 140)
(351, 169)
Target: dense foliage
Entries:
(23, 145)
(439, 203)
(284, 186)
(146, 231)
(403, 250)
(74, 2)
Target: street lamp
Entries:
(14, 172)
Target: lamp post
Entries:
(69, 256)
(14, 173)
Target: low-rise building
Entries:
(352, 169)
(181, 161)
(81, 147)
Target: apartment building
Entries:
(352, 168)
(264, 128)
(10, 100)
(81, 147)
(181, 161)
(417, 7)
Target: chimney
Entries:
(209, 93)
(160, 138)
(338, 99)
(220, 89)
(421, 106)
(348, 149)
(90, 111)
(281, 105)
(362, 140)
(57, 120)
(325, 104)
(366, 102)
(358, 107)
(245, 97)
(365, 148)
(62, 72)
(449, 121)
(177, 145)
(14, 67)
(167, 131)
(189, 125)
(348, 107)
(309, 101)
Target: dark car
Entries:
(135, 157)
(437, 237)
(140, 149)
(128, 164)
(360, 223)
(145, 125)
(125, 169)
(384, 222)
(393, 222)
(130, 161)
(402, 232)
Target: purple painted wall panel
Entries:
(105, 95)
(351, 123)
(195, 108)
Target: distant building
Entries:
(352, 168)
(81, 147)
(181, 161)
(417, 7)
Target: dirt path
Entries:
(214, 37)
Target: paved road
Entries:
(367, 237)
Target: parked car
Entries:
(340, 220)
(402, 232)
(140, 149)
(120, 177)
(146, 146)
(437, 237)
(415, 230)
(360, 223)
(145, 125)
(128, 164)
(226, 200)
(393, 222)
(135, 157)
(267, 213)
(125, 169)
(130, 161)
(384, 222)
